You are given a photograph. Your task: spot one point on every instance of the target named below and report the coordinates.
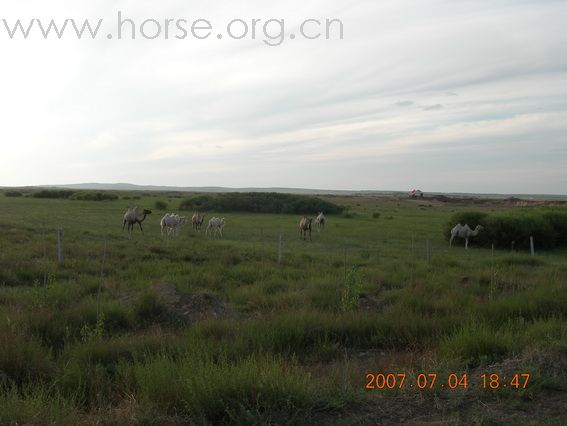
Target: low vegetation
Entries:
(513, 230)
(255, 202)
(53, 193)
(196, 330)
(94, 196)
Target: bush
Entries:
(53, 193)
(558, 221)
(13, 194)
(376, 215)
(94, 196)
(161, 205)
(259, 202)
(549, 229)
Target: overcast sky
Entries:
(464, 96)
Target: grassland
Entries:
(149, 330)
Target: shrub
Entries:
(160, 205)
(13, 194)
(549, 229)
(259, 202)
(376, 215)
(53, 193)
(94, 196)
(558, 221)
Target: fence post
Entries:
(60, 245)
(280, 248)
(345, 266)
(492, 277)
(428, 250)
(532, 248)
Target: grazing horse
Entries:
(320, 221)
(304, 227)
(197, 221)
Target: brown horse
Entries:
(304, 227)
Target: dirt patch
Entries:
(192, 308)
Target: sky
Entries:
(452, 96)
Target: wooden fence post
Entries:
(492, 277)
(532, 247)
(60, 245)
(280, 249)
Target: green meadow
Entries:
(145, 329)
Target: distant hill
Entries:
(301, 191)
(208, 189)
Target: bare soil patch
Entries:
(192, 308)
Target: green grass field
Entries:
(153, 330)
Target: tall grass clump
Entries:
(23, 360)
(36, 405)
(351, 290)
(476, 344)
(148, 309)
(255, 390)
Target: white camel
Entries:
(215, 225)
(464, 232)
(133, 216)
(320, 221)
(171, 223)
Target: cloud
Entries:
(337, 114)
(435, 107)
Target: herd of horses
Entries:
(171, 223)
